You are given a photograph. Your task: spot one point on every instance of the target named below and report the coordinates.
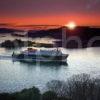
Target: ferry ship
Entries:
(36, 55)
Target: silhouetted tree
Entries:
(49, 95)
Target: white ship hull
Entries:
(41, 56)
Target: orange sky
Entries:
(54, 20)
(50, 12)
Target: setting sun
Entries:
(71, 25)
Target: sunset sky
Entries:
(50, 12)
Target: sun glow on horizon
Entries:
(71, 25)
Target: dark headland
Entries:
(84, 34)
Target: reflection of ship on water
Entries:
(14, 60)
(44, 56)
(42, 64)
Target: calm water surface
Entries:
(15, 76)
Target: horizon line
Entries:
(30, 25)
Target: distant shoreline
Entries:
(80, 37)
